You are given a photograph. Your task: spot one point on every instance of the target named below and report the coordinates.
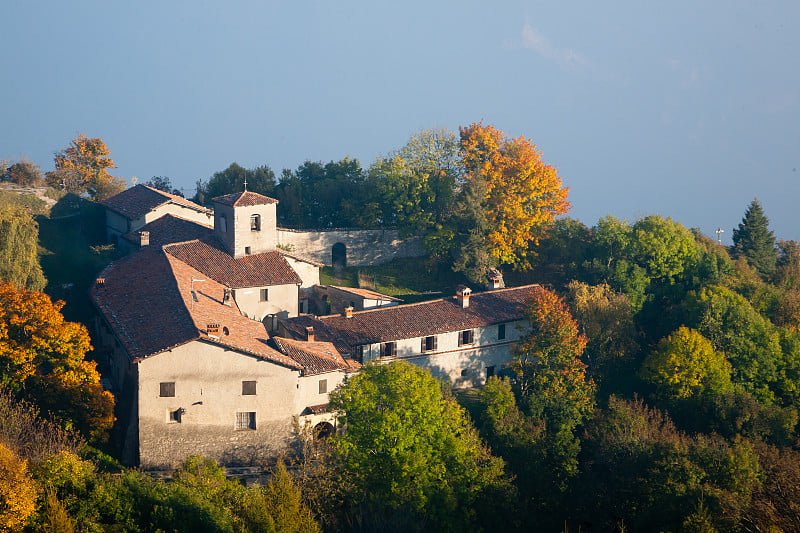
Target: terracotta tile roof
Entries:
(259, 270)
(147, 300)
(365, 293)
(414, 320)
(134, 202)
(245, 198)
(316, 357)
(170, 229)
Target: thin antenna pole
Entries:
(719, 233)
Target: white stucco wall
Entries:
(308, 272)
(465, 366)
(238, 234)
(172, 209)
(363, 246)
(208, 385)
(282, 300)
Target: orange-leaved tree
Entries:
(42, 356)
(522, 194)
(18, 492)
(84, 166)
(547, 363)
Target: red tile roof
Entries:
(170, 229)
(259, 270)
(134, 202)
(365, 293)
(245, 198)
(414, 320)
(147, 300)
(316, 357)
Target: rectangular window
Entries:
(223, 224)
(248, 388)
(466, 337)
(255, 223)
(389, 349)
(246, 250)
(246, 420)
(264, 295)
(501, 332)
(359, 354)
(174, 416)
(167, 389)
(323, 386)
(429, 343)
(489, 371)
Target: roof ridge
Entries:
(428, 302)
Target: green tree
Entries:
(408, 447)
(754, 241)
(231, 180)
(685, 364)
(19, 260)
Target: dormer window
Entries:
(255, 222)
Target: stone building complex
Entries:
(209, 342)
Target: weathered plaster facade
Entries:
(233, 226)
(281, 301)
(363, 246)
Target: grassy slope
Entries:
(412, 279)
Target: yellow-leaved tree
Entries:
(522, 194)
(18, 492)
(83, 167)
(43, 356)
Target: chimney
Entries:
(100, 282)
(348, 311)
(212, 330)
(496, 279)
(462, 295)
(310, 334)
(226, 297)
(144, 238)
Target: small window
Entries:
(429, 343)
(167, 389)
(255, 222)
(388, 349)
(501, 332)
(359, 354)
(174, 416)
(246, 250)
(246, 420)
(323, 386)
(489, 371)
(264, 295)
(223, 224)
(248, 388)
(465, 337)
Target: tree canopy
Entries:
(19, 259)
(754, 241)
(260, 179)
(83, 167)
(408, 447)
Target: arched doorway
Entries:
(339, 255)
(323, 430)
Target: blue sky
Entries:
(686, 109)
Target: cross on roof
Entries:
(245, 184)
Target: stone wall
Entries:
(363, 246)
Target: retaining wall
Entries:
(363, 246)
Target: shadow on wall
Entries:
(465, 372)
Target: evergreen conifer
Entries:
(754, 241)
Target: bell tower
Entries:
(246, 223)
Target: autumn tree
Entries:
(18, 492)
(83, 167)
(754, 241)
(407, 447)
(19, 259)
(523, 194)
(685, 364)
(42, 355)
(547, 363)
(24, 172)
